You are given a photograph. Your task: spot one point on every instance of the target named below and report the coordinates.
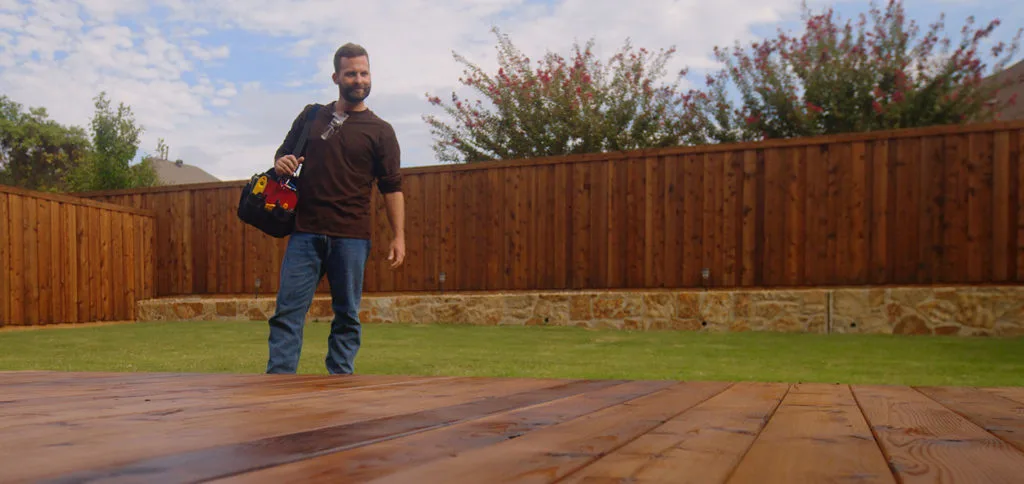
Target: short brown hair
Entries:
(348, 51)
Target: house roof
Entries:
(1015, 74)
(177, 173)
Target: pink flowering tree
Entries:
(560, 105)
(881, 72)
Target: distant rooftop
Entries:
(179, 173)
(1016, 74)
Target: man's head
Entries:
(352, 72)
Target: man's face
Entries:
(353, 78)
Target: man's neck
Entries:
(343, 106)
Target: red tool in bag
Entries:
(268, 201)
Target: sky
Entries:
(221, 82)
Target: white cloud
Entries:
(224, 105)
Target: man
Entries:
(332, 222)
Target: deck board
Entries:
(818, 434)
(1003, 417)
(701, 445)
(369, 462)
(552, 453)
(927, 442)
(1016, 394)
(163, 427)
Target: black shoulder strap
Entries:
(300, 145)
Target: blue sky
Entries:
(221, 82)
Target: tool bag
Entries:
(268, 200)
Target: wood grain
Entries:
(703, 444)
(1013, 393)
(65, 260)
(173, 396)
(926, 442)
(369, 462)
(5, 262)
(999, 416)
(182, 427)
(549, 454)
(816, 435)
(923, 206)
(224, 460)
(211, 440)
(940, 130)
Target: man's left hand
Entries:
(396, 254)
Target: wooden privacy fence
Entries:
(932, 205)
(68, 260)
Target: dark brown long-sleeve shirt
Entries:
(337, 176)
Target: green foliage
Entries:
(39, 154)
(878, 73)
(561, 106)
(115, 141)
(881, 72)
(143, 173)
(36, 152)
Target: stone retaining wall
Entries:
(967, 311)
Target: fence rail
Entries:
(918, 206)
(68, 260)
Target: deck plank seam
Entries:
(874, 435)
(993, 413)
(1019, 447)
(441, 425)
(219, 407)
(611, 451)
(760, 431)
(400, 435)
(140, 391)
(1011, 398)
(514, 410)
(116, 469)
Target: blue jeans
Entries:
(306, 259)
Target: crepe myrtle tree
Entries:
(560, 105)
(881, 72)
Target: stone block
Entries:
(658, 306)
(963, 311)
(320, 310)
(860, 311)
(617, 306)
(579, 307)
(188, 311)
(717, 308)
(257, 314)
(688, 305)
(911, 324)
(552, 311)
(227, 309)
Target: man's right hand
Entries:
(287, 164)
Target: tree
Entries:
(163, 151)
(839, 78)
(562, 106)
(115, 141)
(143, 173)
(37, 153)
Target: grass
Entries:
(535, 352)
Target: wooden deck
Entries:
(143, 427)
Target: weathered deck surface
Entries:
(92, 427)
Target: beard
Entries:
(348, 93)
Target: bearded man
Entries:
(348, 148)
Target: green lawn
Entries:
(240, 347)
